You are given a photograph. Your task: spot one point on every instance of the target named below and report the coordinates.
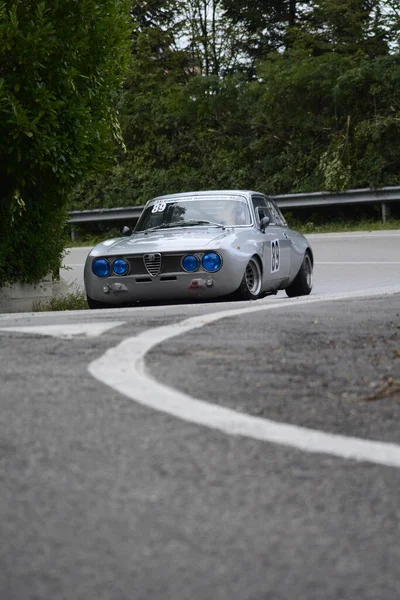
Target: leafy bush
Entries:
(61, 66)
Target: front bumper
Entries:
(117, 290)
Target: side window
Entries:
(261, 203)
(277, 216)
(281, 217)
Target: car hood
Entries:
(185, 239)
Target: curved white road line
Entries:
(123, 369)
(67, 331)
(344, 263)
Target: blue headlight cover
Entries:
(120, 266)
(101, 267)
(190, 262)
(211, 262)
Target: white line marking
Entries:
(67, 331)
(379, 233)
(123, 369)
(348, 262)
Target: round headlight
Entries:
(190, 262)
(101, 267)
(120, 266)
(211, 262)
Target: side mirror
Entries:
(126, 231)
(264, 224)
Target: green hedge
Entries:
(61, 67)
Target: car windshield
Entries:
(209, 211)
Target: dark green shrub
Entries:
(61, 65)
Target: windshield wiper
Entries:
(162, 226)
(189, 223)
(202, 222)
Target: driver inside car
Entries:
(235, 213)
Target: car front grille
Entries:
(170, 264)
(152, 262)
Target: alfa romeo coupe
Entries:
(201, 245)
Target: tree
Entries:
(211, 38)
(320, 113)
(348, 27)
(61, 66)
(269, 24)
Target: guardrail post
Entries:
(73, 236)
(385, 212)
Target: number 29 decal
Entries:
(275, 256)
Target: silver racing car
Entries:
(201, 245)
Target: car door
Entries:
(275, 240)
(279, 226)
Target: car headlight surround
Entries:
(190, 263)
(101, 267)
(211, 262)
(120, 266)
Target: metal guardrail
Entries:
(104, 214)
(381, 196)
(361, 196)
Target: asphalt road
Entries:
(104, 498)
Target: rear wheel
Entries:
(93, 304)
(303, 282)
(250, 288)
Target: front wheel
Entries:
(303, 282)
(250, 287)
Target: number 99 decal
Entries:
(275, 256)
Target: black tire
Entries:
(303, 282)
(268, 293)
(250, 288)
(93, 304)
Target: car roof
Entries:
(246, 193)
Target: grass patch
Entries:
(343, 226)
(71, 301)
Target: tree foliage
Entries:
(320, 113)
(61, 66)
(279, 96)
(269, 24)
